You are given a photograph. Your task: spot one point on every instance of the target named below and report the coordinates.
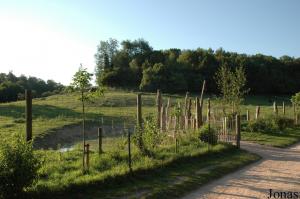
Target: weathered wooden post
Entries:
(198, 122)
(86, 157)
(208, 111)
(248, 115)
(257, 112)
(225, 128)
(186, 103)
(100, 140)
(139, 110)
(168, 114)
(189, 114)
(163, 119)
(180, 118)
(158, 103)
(28, 114)
(294, 110)
(283, 108)
(208, 114)
(129, 152)
(238, 131)
(275, 109)
(176, 144)
(202, 92)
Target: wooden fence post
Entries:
(294, 110)
(257, 112)
(176, 144)
(28, 114)
(275, 110)
(208, 114)
(208, 111)
(202, 92)
(186, 103)
(139, 110)
(225, 126)
(129, 152)
(283, 108)
(248, 115)
(86, 157)
(197, 113)
(167, 114)
(100, 140)
(158, 103)
(163, 118)
(189, 114)
(238, 131)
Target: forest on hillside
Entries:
(12, 87)
(135, 64)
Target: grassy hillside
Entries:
(57, 111)
(61, 173)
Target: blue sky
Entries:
(49, 39)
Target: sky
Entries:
(50, 38)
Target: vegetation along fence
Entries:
(172, 123)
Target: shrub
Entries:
(283, 122)
(148, 138)
(18, 166)
(269, 124)
(208, 135)
(260, 125)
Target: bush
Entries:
(269, 124)
(18, 166)
(148, 138)
(282, 123)
(259, 125)
(208, 135)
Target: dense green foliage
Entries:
(296, 99)
(135, 64)
(18, 166)
(231, 85)
(208, 134)
(270, 124)
(12, 87)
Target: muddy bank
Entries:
(70, 135)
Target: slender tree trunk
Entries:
(83, 120)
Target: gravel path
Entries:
(279, 170)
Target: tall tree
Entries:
(106, 50)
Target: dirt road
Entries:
(278, 170)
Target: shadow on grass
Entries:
(153, 182)
(266, 100)
(45, 111)
(49, 112)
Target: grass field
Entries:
(289, 137)
(167, 174)
(58, 111)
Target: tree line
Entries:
(12, 87)
(135, 64)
